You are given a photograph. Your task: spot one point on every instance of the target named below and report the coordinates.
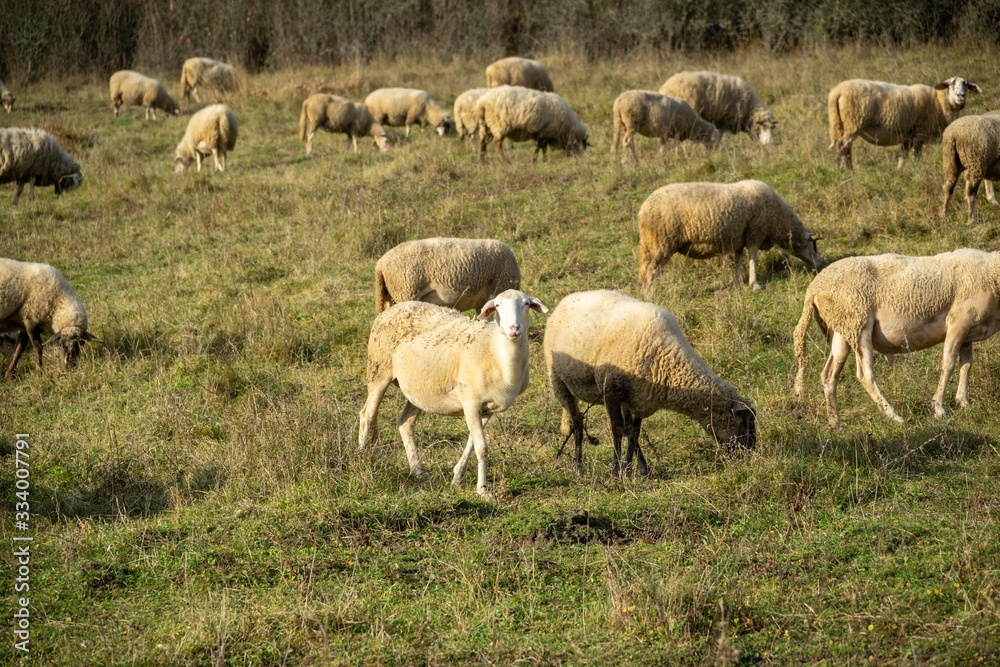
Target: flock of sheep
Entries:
(600, 346)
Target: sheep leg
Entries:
(953, 343)
(475, 422)
(354, 142)
(22, 342)
(831, 374)
(752, 253)
(407, 418)
(864, 355)
(965, 363)
(197, 157)
(633, 425)
(18, 191)
(36, 343)
(368, 428)
(904, 149)
(572, 420)
(31, 188)
(614, 408)
(949, 188)
(845, 157)
(971, 190)
(737, 262)
(463, 462)
(407, 130)
(484, 141)
(990, 197)
(499, 147)
(215, 156)
(309, 141)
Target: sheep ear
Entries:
(974, 88)
(536, 304)
(53, 340)
(89, 336)
(489, 308)
(941, 86)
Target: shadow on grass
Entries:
(136, 344)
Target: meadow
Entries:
(197, 492)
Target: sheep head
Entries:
(957, 88)
(762, 124)
(804, 247)
(446, 126)
(734, 427)
(68, 183)
(511, 310)
(71, 340)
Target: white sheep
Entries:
(894, 304)
(33, 156)
(659, 116)
(971, 144)
(397, 107)
(523, 114)
(128, 87)
(518, 72)
(446, 364)
(336, 114)
(199, 74)
(211, 131)
(702, 220)
(466, 122)
(6, 97)
(886, 114)
(631, 357)
(36, 299)
(458, 273)
(726, 101)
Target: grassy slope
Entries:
(198, 490)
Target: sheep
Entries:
(336, 114)
(466, 122)
(397, 107)
(659, 116)
(447, 364)
(6, 97)
(971, 143)
(894, 304)
(523, 114)
(33, 156)
(211, 131)
(887, 114)
(631, 356)
(702, 220)
(205, 73)
(37, 299)
(519, 72)
(457, 273)
(128, 87)
(726, 101)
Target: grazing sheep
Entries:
(206, 74)
(33, 156)
(518, 72)
(37, 299)
(211, 131)
(6, 97)
(659, 116)
(886, 114)
(523, 114)
(893, 304)
(631, 356)
(447, 364)
(702, 220)
(397, 107)
(466, 122)
(457, 273)
(971, 143)
(336, 114)
(726, 101)
(128, 87)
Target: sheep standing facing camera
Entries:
(446, 364)
(886, 114)
(211, 131)
(36, 299)
(607, 348)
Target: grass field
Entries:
(197, 492)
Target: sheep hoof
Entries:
(485, 494)
(757, 287)
(939, 412)
(418, 473)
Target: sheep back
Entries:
(38, 295)
(397, 107)
(27, 153)
(661, 116)
(335, 114)
(516, 71)
(602, 341)
(128, 87)
(217, 77)
(523, 114)
(458, 273)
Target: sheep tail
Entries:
(382, 298)
(836, 122)
(186, 85)
(799, 341)
(952, 163)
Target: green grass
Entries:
(197, 491)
